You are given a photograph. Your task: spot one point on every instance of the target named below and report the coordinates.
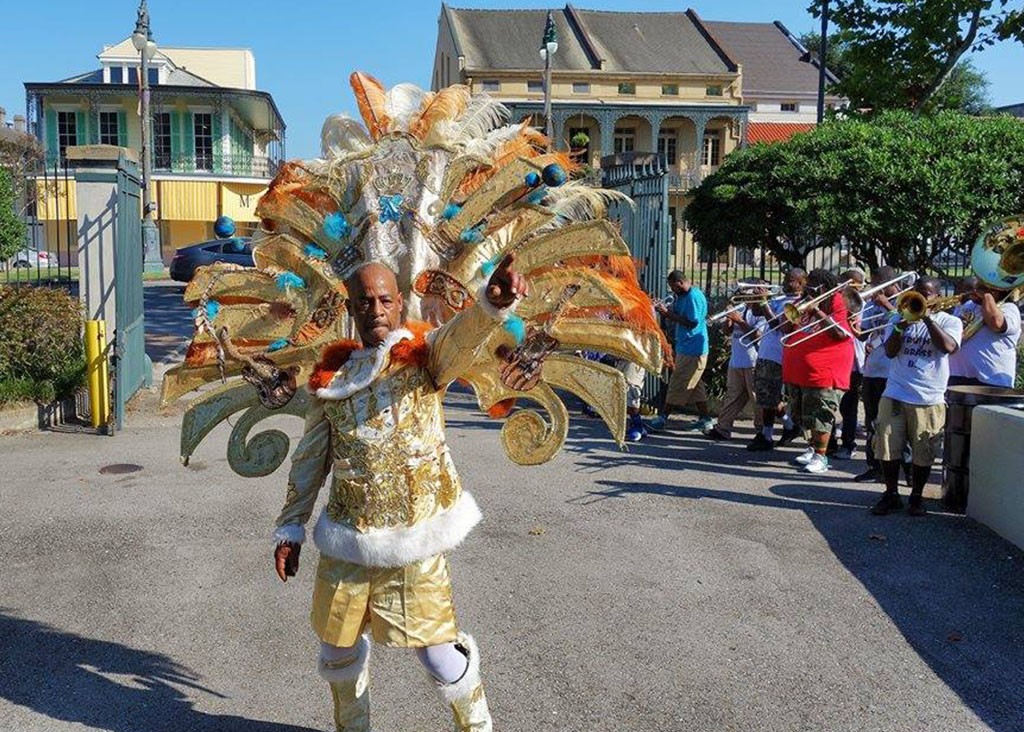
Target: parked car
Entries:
(34, 258)
(236, 250)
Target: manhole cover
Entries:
(120, 469)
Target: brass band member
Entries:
(988, 354)
(913, 405)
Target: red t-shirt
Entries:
(821, 361)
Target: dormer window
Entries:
(116, 75)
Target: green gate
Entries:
(132, 368)
(645, 224)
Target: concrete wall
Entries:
(996, 498)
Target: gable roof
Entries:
(624, 42)
(771, 57)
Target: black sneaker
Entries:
(915, 507)
(888, 502)
(760, 443)
(717, 435)
(788, 436)
(871, 475)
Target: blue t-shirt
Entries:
(692, 306)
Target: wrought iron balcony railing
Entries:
(242, 166)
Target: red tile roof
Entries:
(775, 131)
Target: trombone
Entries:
(911, 279)
(972, 327)
(759, 294)
(794, 313)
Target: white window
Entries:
(202, 130)
(67, 132)
(667, 147)
(581, 87)
(490, 85)
(712, 147)
(109, 129)
(789, 107)
(535, 87)
(625, 140)
(162, 140)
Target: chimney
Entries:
(3, 117)
(19, 123)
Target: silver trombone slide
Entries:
(775, 322)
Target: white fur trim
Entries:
(493, 312)
(354, 376)
(352, 670)
(290, 533)
(402, 545)
(470, 680)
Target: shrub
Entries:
(41, 352)
(580, 139)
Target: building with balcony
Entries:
(216, 140)
(626, 83)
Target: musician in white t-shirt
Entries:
(988, 357)
(743, 325)
(913, 406)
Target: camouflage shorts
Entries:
(813, 408)
(768, 384)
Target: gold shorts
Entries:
(899, 422)
(685, 386)
(407, 607)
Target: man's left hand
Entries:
(506, 285)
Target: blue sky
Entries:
(305, 49)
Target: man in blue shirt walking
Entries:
(689, 314)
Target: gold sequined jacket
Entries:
(377, 426)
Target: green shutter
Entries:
(177, 150)
(122, 129)
(218, 147)
(188, 138)
(81, 128)
(52, 147)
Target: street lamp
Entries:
(548, 47)
(142, 40)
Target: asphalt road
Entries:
(678, 586)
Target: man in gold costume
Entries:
(396, 506)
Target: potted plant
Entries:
(579, 141)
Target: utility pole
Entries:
(548, 46)
(822, 54)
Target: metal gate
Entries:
(645, 225)
(132, 368)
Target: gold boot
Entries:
(466, 696)
(350, 688)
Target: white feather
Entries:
(481, 116)
(402, 103)
(342, 135)
(576, 201)
(488, 145)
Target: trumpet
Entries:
(913, 306)
(761, 294)
(721, 315)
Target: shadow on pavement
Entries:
(953, 588)
(168, 321)
(68, 677)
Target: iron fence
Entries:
(210, 162)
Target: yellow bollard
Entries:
(99, 377)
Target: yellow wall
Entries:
(238, 200)
(606, 88)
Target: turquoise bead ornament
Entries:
(533, 179)
(554, 175)
(390, 208)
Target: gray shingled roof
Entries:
(659, 42)
(177, 77)
(627, 41)
(771, 63)
(1017, 110)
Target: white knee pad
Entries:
(343, 664)
(445, 662)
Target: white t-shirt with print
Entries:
(920, 371)
(987, 356)
(744, 356)
(769, 348)
(957, 361)
(876, 362)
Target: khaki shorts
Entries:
(813, 408)
(634, 376)
(768, 384)
(408, 607)
(899, 422)
(685, 386)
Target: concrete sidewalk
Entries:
(683, 585)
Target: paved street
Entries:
(679, 586)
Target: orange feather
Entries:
(444, 106)
(370, 96)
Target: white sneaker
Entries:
(804, 457)
(817, 464)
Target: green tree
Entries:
(12, 228)
(901, 53)
(895, 186)
(965, 89)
